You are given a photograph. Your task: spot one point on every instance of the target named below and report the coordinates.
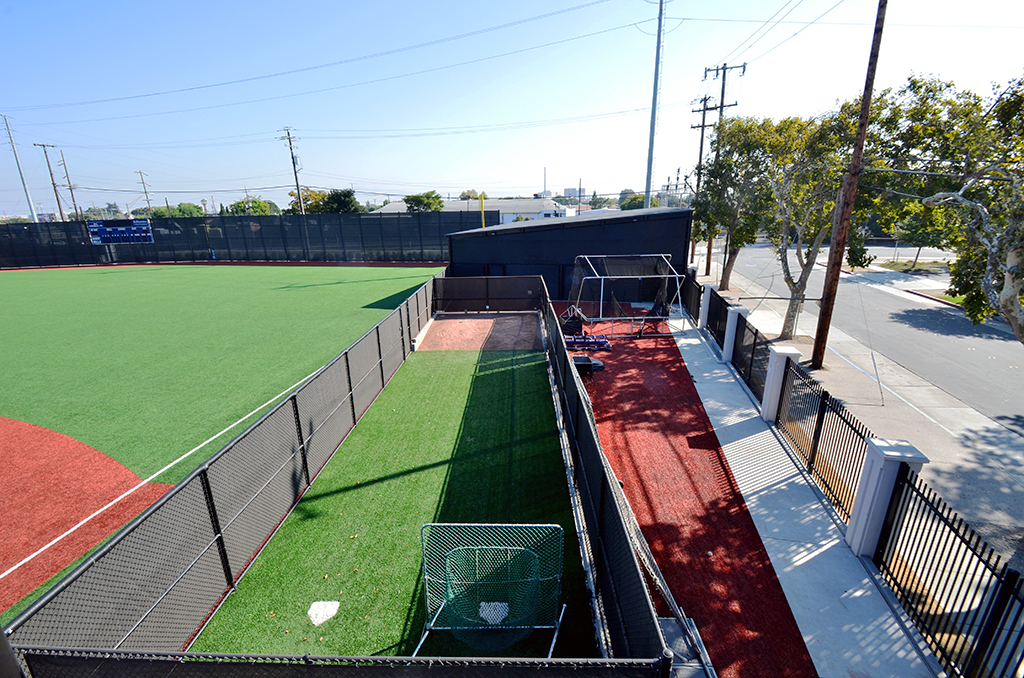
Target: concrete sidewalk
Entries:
(849, 628)
(977, 465)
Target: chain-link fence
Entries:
(130, 608)
(393, 237)
(155, 583)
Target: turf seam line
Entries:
(195, 449)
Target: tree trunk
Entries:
(792, 315)
(730, 261)
(711, 246)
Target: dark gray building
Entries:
(550, 247)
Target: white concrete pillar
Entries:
(774, 378)
(875, 489)
(730, 330)
(705, 304)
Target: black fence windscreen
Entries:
(131, 607)
(395, 237)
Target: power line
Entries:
(348, 85)
(758, 29)
(798, 32)
(342, 62)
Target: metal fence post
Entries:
(302, 441)
(818, 426)
(351, 392)
(1007, 583)
(9, 667)
(204, 480)
(380, 355)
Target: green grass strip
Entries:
(457, 436)
(145, 362)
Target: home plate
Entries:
(322, 610)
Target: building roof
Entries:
(584, 219)
(515, 205)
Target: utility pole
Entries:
(21, 173)
(53, 181)
(724, 70)
(71, 189)
(146, 191)
(844, 201)
(295, 166)
(654, 104)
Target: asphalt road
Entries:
(982, 366)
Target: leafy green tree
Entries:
(520, 217)
(597, 202)
(624, 194)
(973, 150)
(736, 195)
(431, 201)
(471, 194)
(636, 202)
(562, 200)
(189, 209)
(311, 200)
(340, 201)
(253, 205)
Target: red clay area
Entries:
(483, 332)
(48, 484)
(662, 446)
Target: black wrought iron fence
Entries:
(394, 237)
(692, 291)
(154, 584)
(830, 441)
(718, 316)
(750, 355)
(967, 605)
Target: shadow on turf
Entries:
(506, 467)
(408, 292)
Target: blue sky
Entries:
(395, 97)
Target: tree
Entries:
(311, 199)
(253, 205)
(597, 202)
(624, 194)
(973, 151)
(636, 202)
(471, 194)
(341, 201)
(431, 201)
(806, 160)
(182, 209)
(520, 217)
(736, 195)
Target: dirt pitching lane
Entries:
(483, 332)
(48, 484)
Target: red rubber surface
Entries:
(657, 436)
(48, 483)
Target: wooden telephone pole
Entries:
(844, 202)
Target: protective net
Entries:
(641, 288)
(491, 585)
(491, 595)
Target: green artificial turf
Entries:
(457, 436)
(146, 362)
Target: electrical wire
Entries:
(758, 29)
(349, 85)
(342, 62)
(798, 32)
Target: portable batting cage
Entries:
(626, 294)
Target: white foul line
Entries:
(155, 475)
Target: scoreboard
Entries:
(104, 234)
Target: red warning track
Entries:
(663, 448)
(48, 484)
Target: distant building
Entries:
(528, 208)
(575, 192)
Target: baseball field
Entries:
(116, 382)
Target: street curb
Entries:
(938, 299)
